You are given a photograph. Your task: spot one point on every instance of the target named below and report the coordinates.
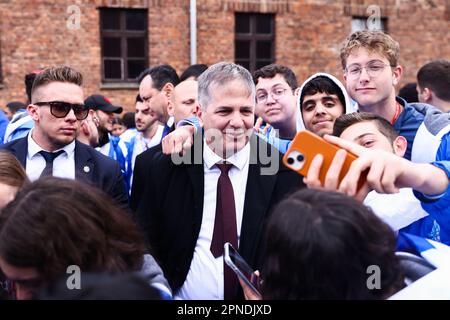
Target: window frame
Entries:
(253, 38)
(123, 34)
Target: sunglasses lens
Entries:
(59, 109)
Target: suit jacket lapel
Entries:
(258, 195)
(84, 165)
(20, 150)
(196, 175)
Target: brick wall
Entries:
(308, 34)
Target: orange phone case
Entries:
(305, 146)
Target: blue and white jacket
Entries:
(427, 131)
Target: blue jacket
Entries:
(3, 123)
(427, 131)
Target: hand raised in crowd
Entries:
(386, 172)
(178, 141)
(332, 176)
(257, 126)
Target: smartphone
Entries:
(305, 146)
(235, 261)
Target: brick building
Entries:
(110, 41)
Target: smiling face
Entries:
(368, 135)
(371, 91)
(275, 102)
(50, 132)
(319, 111)
(228, 118)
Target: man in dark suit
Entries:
(51, 149)
(228, 174)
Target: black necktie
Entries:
(49, 157)
(225, 228)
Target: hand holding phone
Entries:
(241, 268)
(305, 146)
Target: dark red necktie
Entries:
(225, 229)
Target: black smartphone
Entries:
(242, 269)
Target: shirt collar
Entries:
(34, 148)
(238, 159)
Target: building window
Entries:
(124, 46)
(361, 23)
(254, 40)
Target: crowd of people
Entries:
(146, 201)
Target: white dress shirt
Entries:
(63, 165)
(205, 276)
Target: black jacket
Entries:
(103, 171)
(170, 210)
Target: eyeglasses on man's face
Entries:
(60, 109)
(276, 93)
(373, 69)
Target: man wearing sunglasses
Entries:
(51, 148)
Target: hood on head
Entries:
(349, 105)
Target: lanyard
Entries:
(398, 110)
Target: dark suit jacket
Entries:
(170, 213)
(140, 173)
(102, 171)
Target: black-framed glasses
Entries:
(60, 109)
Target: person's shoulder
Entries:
(149, 154)
(95, 154)
(14, 144)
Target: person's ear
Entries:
(171, 108)
(399, 145)
(397, 74)
(84, 127)
(33, 111)
(427, 94)
(168, 90)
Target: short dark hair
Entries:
(128, 120)
(320, 245)
(194, 70)
(53, 223)
(161, 75)
(138, 99)
(322, 84)
(436, 76)
(118, 120)
(272, 70)
(57, 74)
(409, 92)
(29, 80)
(349, 119)
(15, 106)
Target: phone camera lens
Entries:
(290, 160)
(300, 158)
